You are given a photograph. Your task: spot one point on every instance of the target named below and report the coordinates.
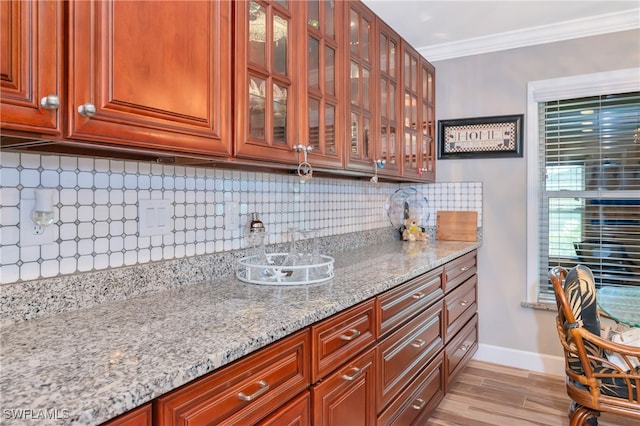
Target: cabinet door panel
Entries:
(266, 79)
(347, 397)
(157, 74)
(322, 92)
(295, 413)
(30, 64)
(390, 149)
(361, 141)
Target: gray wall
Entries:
(496, 84)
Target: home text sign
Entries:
(497, 136)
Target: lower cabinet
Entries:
(386, 361)
(347, 396)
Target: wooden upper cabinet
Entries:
(389, 96)
(428, 126)
(324, 91)
(418, 117)
(31, 66)
(151, 75)
(266, 79)
(362, 95)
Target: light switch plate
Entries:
(231, 215)
(28, 235)
(154, 217)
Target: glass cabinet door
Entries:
(389, 148)
(322, 92)
(411, 131)
(361, 92)
(428, 148)
(264, 51)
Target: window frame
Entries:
(596, 84)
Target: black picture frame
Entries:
(481, 137)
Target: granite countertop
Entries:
(90, 365)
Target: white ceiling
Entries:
(444, 29)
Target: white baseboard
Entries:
(549, 364)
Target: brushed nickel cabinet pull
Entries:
(418, 404)
(354, 333)
(418, 295)
(356, 373)
(418, 343)
(264, 386)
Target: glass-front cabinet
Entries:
(360, 152)
(323, 122)
(418, 121)
(389, 148)
(428, 125)
(266, 80)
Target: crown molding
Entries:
(567, 30)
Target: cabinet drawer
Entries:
(460, 306)
(404, 353)
(339, 338)
(416, 403)
(398, 305)
(461, 349)
(244, 392)
(347, 397)
(459, 270)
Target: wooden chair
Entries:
(594, 382)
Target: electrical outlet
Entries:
(30, 233)
(231, 215)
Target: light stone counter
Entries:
(90, 365)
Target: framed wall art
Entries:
(481, 137)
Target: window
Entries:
(584, 179)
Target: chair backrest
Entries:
(575, 294)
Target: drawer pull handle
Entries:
(354, 333)
(418, 404)
(356, 373)
(464, 348)
(418, 295)
(418, 343)
(264, 386)
(465, 268)
(464, 303)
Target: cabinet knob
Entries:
(50, 102)
(87, 110)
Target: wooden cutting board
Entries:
(457, 225)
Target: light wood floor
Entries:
(492, 395)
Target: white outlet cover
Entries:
(231, 215)
(28, 237)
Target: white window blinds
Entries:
(590, 197)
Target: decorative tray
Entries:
(251, 271)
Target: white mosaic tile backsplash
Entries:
(96, 210)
